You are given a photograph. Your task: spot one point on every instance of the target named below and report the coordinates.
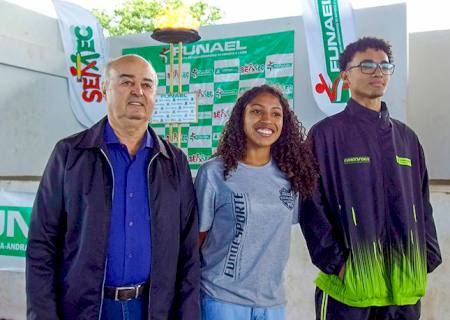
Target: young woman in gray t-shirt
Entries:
(248, 198)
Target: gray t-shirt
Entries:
(248, 218)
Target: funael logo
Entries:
(163, 54)
(330, 82)
(211, 47)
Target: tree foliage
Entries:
(137, 16)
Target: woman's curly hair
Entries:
(291, 152)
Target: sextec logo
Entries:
(85, 64)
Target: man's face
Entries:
(263, 121)
(366, 86)
(130, 91)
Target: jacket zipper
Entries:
(385, 196)
(106, 261)
(151, 223)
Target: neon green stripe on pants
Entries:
(323, 309)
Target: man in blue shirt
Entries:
(114, 225)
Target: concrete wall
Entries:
(429, 97)
(34, 105)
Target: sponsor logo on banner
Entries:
(14, 230)
(85, 64)
(226, 70)
(205, 92)
(185, 74)
(331, 21)
(85, 50)
(221, 93)
(195, 136)
(279, 65)
(199, 136)
(196, 73)
(251, 68)
(197, 156)
(221, 113)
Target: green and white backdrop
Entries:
(219, 71)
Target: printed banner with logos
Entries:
(219, 71)
(15, 211)
(86, 53)
(329, 27)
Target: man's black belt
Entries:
(125, 293)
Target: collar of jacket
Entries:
(94, 138)
(366, 114)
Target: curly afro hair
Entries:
(291, 152)
(362, 45)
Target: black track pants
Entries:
(329, 309)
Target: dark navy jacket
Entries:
(70, 223)
(372, 210)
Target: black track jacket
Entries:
(371, 211)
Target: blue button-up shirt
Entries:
(129, 246)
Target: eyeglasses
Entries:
(370, 67)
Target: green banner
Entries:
(330, 22)
(14, 222)
(219, 71)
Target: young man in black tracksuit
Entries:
(369, 227)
